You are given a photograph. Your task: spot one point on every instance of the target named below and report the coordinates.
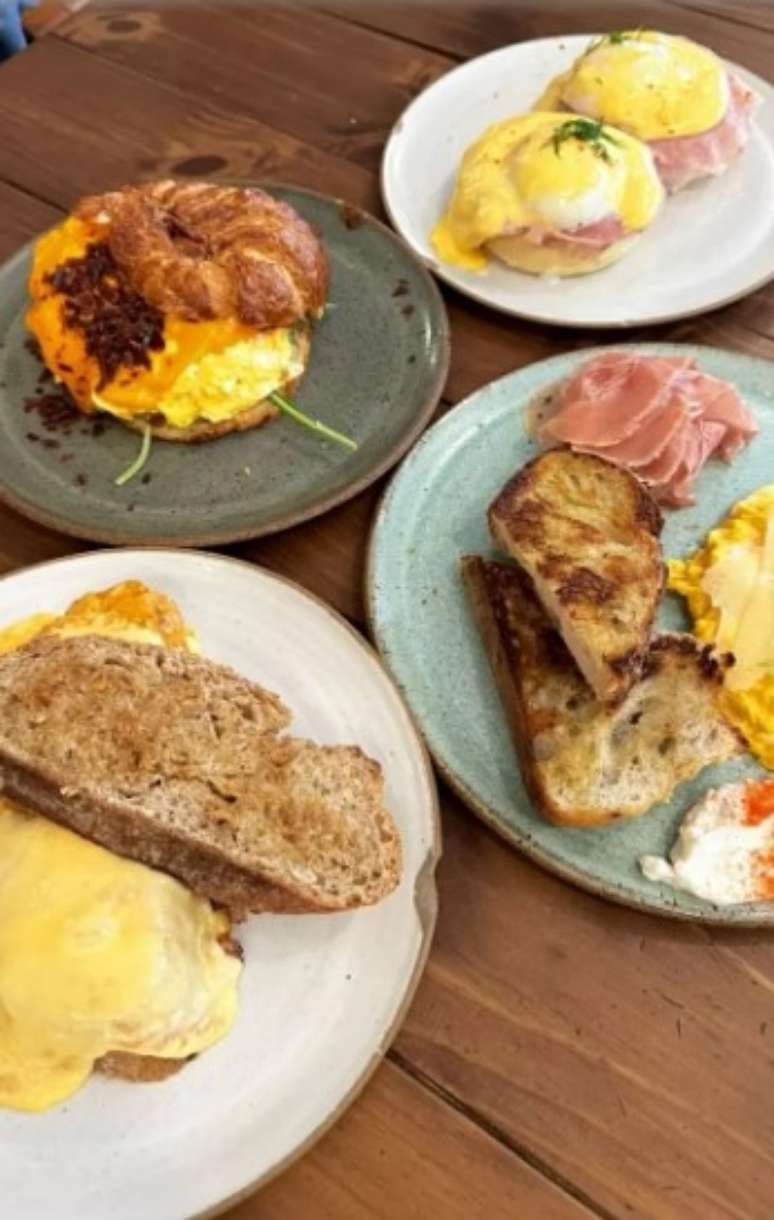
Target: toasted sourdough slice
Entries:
(587, 763)
(177, 762)
(586, 532)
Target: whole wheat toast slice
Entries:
(180, 764)
(586, 763)
(586, 532)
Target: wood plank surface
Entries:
(632, 1055)
(464, 30)
(564, 1058)
(402, 1154)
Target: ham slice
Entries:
(611, 397)
(682, 159)
(597, 236)
(648, 441)
(659, 416)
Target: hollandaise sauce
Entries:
(548, 174)
(656, 86)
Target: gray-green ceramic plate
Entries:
(379, 361)
(433, 513)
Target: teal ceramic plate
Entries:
(432, 514)
(379, 361)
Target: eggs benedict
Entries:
(178, 308)
(550, 195)
(729, 586)
(666, 90)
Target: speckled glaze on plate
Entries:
(433, 513)
(379, 361)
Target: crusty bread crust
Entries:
(177, 762)
(204, 430)
(586, 532)
(139, 1069)
(586, 763)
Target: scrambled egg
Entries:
(518, 175)
(98, 953)
(654, 85)
(729, 587)
(206, 370)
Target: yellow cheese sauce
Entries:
(210, 370)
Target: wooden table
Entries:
(564, 1059)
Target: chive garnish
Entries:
(139, 461)
(314, 425)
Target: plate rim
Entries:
(207, 538)
(440, 271)
(748, 915)
(425, 896)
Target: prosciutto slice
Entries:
(659, 416)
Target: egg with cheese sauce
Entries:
(656, 86)
(128, 611)
(530, 175)
(206, 371)
(729, 587)
(99, 953)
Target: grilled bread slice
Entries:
(586, 532)
(586, 763)
(179, 763)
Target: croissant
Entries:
(202, 251)
(179, 307)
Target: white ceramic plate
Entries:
(321, 996)
(712, 243)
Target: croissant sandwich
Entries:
(178, 307)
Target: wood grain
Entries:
(464, 30)
(58, 146)
(293, 65)
(401, 1152)
(631, 1054)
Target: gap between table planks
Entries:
(622, 1056)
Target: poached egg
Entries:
(724, 851)
(545, 176)
(655, 86)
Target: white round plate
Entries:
(321, 996)
(712, 243)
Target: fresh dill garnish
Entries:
(587, 131)
(615, 39)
